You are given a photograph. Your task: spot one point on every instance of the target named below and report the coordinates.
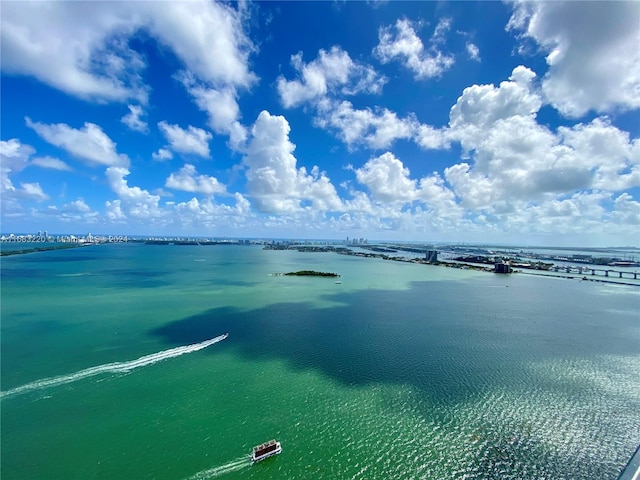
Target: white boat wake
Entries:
(118, 367)
(214, 472)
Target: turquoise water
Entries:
(401, 371)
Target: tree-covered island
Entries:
(311, 273)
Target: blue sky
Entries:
(422, 121)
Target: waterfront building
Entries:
(431, 256)
(502, 267)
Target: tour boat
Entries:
(265, 450)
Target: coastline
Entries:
(23, 251)
(449, 264)
(373, 252)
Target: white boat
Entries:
(265, 450)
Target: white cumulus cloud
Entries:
(207, 214)
(387, 179)
(191, 140)
(82, 48)
(592, 51)
(188, 180)
(14, 157)
(133, 120)
(223, 111)
(73, 212)
(606, 152)
(162, 154)
(627, 211)
(50, 163)
(76, 47)
(389, 182)
(480, 106)
(376, 129)
(132, 201)
(32, 191)
(473, 51)
(89, 143)
(400, 42)
(517, 164)
(14, 154)
(273, 180)
(331, 72)
(209, 37)
(77, 206)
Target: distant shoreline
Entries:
(459, 265)
(347, 251)
(22, 251)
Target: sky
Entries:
(511, 123)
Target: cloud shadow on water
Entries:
(452, 344)
(449, 348)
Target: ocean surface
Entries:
(113, 367)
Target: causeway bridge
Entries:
(597, 271)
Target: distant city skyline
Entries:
(88, 237)
(489, 122)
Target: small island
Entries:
(311, 273)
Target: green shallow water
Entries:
(401, 371)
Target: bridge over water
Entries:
(598, 271)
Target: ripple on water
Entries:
(573, 432)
